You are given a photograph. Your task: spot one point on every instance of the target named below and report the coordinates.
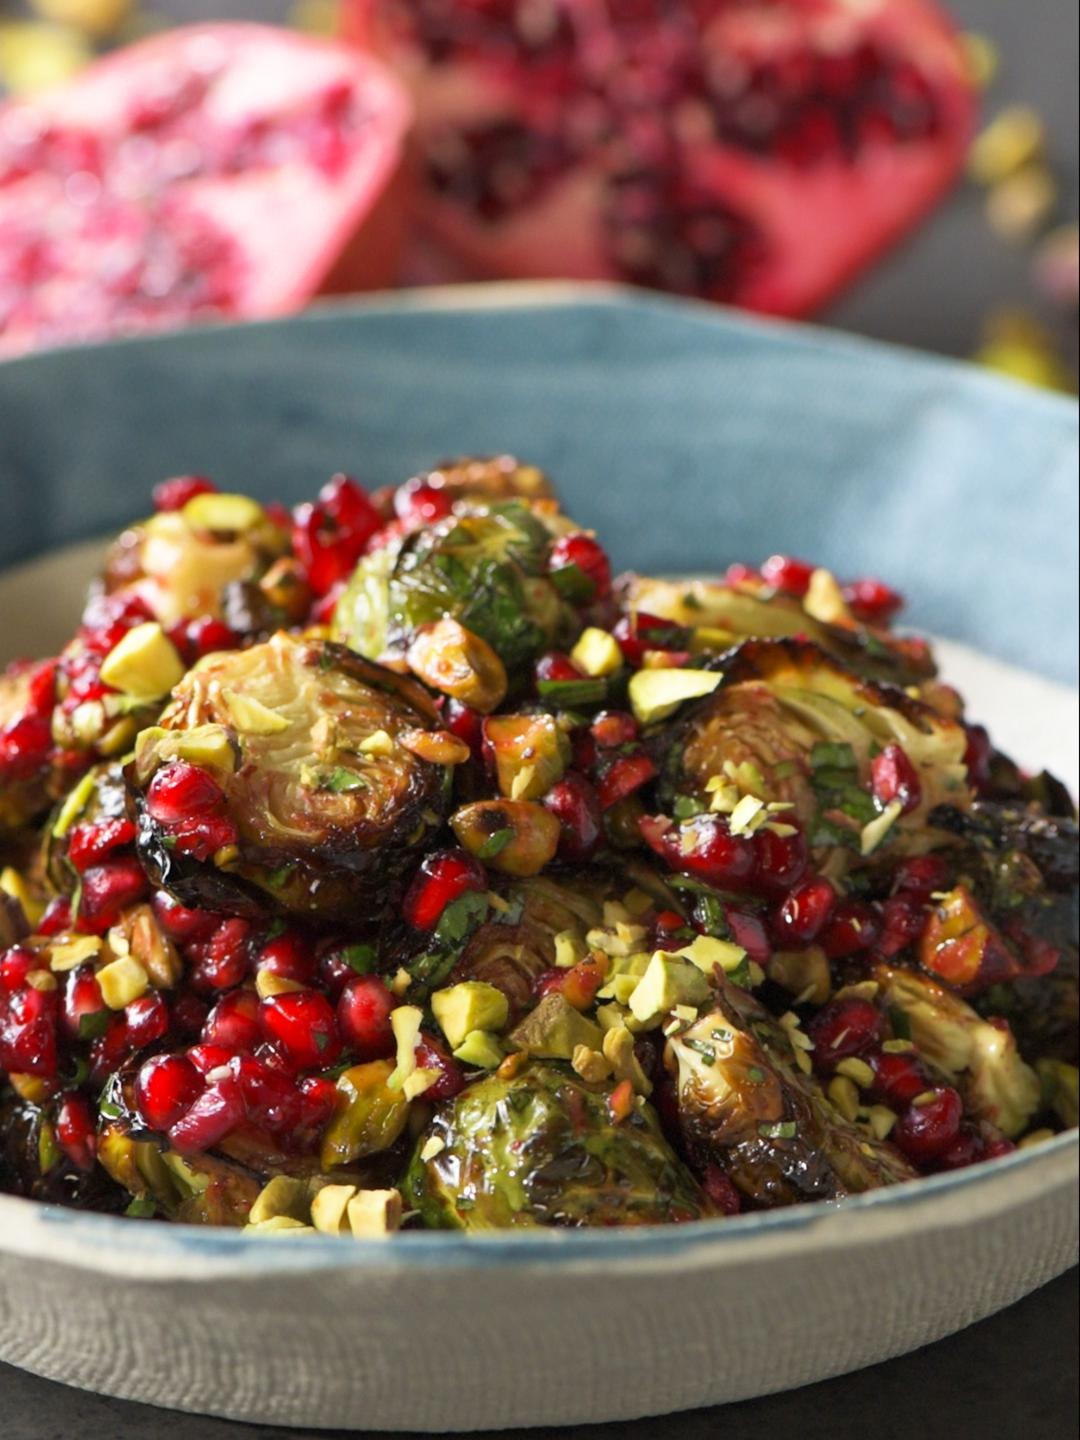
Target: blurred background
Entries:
(989, 272)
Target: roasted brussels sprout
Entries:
(980, 1058)
(746, 1105)
(281, 777)
(541, 1148)
(485, 569)
(32, 1162)
(719, 615)
(182, 563)
(789, 725)
(495, 477)
(99, 798)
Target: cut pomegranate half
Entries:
(753, 151)
(218, 170)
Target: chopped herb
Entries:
(900, 1021)
(707, 1052)
(94, 1024)
(496, 843)
(572, 583)
(322, 1040)
(831, 754)
(709, 912)
(276, 928)
(280, 877)
(568, 693)
(462, 916)
(691, 601)
(361, 958)
(686, 807)
(756, 1075)
(142, 1207)
(109, 1109)
(784, 770)
(341, 781)
(782, 1130)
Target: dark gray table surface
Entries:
(1013, 1377)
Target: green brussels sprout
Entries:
(746, 1105)
(485, 569)
(541, 1148)
(980, 1058)
(323, 802)
(720, 615)
(793, 726)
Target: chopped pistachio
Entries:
(881, 1120)
(122, 981)
(378, 743)
(706, 952)
(844, 1095)
(225, 514)
(373, 1213)
(145, 663)
(480, 1049)
(618, 1050)
(283, 1195)
(405, 1021)
(328, 1209)
(667, 982)
(824, 599)
(656, 694)
(857, 1070)
(471, 1005)
(592, 1065)
(569, 949)
(597, 652)
(69, 954)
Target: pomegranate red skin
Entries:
(257, 236)
(700, 195)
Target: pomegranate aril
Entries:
(421, 502)
(15, 965)
(640, 632)
(57, 917)
(203, 838)
(233, 1023)
(784, 572)
(28, 1033)
(147, 1020)
(585, 554)
(555, 666)
(289, 957)
(165, 1089)
(108, 889)
(89, 843)
(748, 931)
(441, 879)
(902, 921)
(24, 746)
(854, 927)
(363, 1017)
(978, 755)
(209, 1057)
(922, 875)
(189, 1012)
(350, 508)
(622, 777)
(85, 1014)
(894, 778)
(614, 728)
(318, 1099)
(780, 861)
(843, 1028)
(574, 803)
(898, 1077)
(180, 922)
(225, 957)
(704, 847)
(111, 1051)
(212, 1116)
(872, 601)
(464, 722)
(451, 1078)
(181, 792)
(302, 1025)
(271, 1098)
(174, 494)
(76, 1130)
(926, 1130)
(805, 912)
(205, 635)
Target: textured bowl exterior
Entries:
(689, 438)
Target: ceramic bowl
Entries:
(689, 438)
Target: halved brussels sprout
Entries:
(182, 563)
(540, 1148)
(485, 569)
(720, 615)
(494, 477)
(980, 1058)
(791, 725)
(745, 1105)
(323, 803)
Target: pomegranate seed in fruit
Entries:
(76, 1130)
(855, 926)
(180, 922)
(721, 1191)
(574, 803)
(363, 1017)
(225, 959)
(805, 912)
(585, 554)
(302, 1026)
(441, 879)
(174, 494)
(780, 861)
(24, 746)
(902, 921)
(898, 1078)
(583, 747)
(622, 777)
(420, 502)
(85, 1014)
(922, 875)
(57, 917)
(843, 1028)
(107, 889)
(614, 728)
(872, 601)
(926, 1130)
(214, 1113)
(431, 1056)
(28, 1033)
(784, 572)
(233, 1023)
(894, 777)
(748, 931)
(147, 1020)
(15, 966)
(182, 791)
(271, 1099)
(87, 844)
(165, 1089)
(554, 665)
(209, 1057)
(289, 957)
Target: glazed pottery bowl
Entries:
(688, 438)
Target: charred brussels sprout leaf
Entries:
(100, 795)
(322, 805)
(485, 569)
(541, 1149)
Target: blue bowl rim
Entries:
(424, 1249)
